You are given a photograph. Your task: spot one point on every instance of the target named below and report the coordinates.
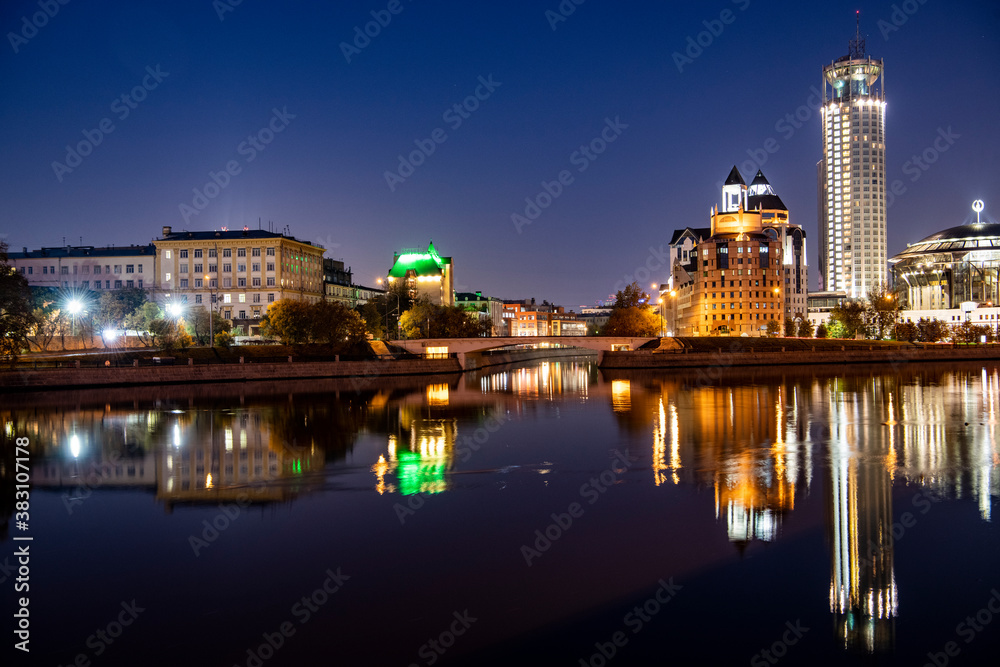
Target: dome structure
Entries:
(956, 265)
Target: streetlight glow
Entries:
(74, 307)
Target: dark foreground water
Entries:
(549, 514)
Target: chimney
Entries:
(166, 231)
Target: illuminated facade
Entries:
(528, 319)
(427, 274)
(954, 266)
(238, 273)
(851, 174)
(733, 282)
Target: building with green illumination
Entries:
(426, 273)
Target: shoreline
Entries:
(367, 372)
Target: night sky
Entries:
(340, 126)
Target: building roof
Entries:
(766, 202)
(984, 236)
(762, 195)
(760, 179)
(423, 263)
(698, 233)
(734, 177)
(227, 235)
(84, 251)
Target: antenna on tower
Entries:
(856, 46)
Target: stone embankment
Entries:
(744, 356)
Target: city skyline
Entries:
(291, 127)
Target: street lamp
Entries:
(74, 307)
(211, 311)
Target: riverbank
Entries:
(740, 353)
(360, 373)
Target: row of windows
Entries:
(118, 284)
(64, 270)
(226, 252)
(226, 282)
(228, 298)
(226, 268)
(755, 305)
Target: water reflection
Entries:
(761, 442)
(752, 437)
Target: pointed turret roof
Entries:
(762, 195)
(735, 178)
(760, 179)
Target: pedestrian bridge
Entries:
(461, 347)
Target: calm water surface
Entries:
(547, 514)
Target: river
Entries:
(546, 513)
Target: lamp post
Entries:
(211, 311)
(660, 302)
(673, 312)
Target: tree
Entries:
(146, 321)
(16, 317)
(116, 306)
(851, 316)
(821, 331)
(905, 331)
(224, 339)
(805, 329)
(791, 327)
(931, 330)
(289, 320)
(427, 320)
(373, 318)
(631, 315)
(334, 323)
(197, 324)
(631, 322)
(881, 310)
(773, 328)
(631, 296)
(967, 332)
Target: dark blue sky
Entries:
(323, 173)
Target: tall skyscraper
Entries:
(851, 175)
